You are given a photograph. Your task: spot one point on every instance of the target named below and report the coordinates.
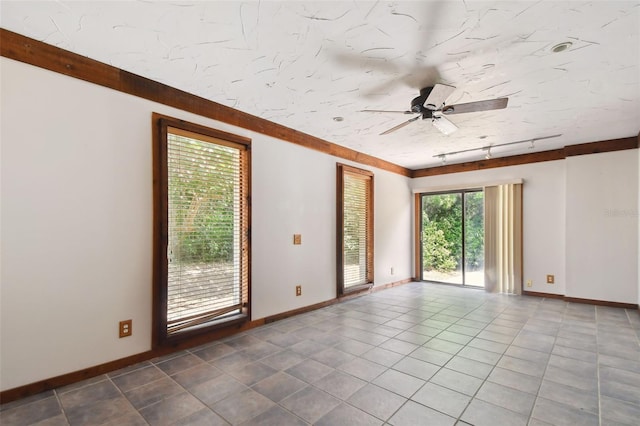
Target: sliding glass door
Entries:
(453, 237)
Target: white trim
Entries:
(457, 187)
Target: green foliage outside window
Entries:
(442, 231)
(474, 230)
(203, 188)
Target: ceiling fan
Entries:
(431, 105)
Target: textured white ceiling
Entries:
(302, 63)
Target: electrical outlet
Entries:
(392, 270)
(125, 328)
(551, 279)
(529, 283)
(298, 290)
(297, 239)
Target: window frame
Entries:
(160, 126)
(342, 170)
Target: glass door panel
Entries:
(442, 238)
(474, 238)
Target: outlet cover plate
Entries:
(125, 328)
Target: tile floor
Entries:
(418, 354)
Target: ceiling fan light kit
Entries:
(444, 125)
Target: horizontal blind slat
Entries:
(356, 204)
(205, 190)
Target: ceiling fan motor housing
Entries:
(417, 104)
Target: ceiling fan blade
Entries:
(352, 60)
(382, 89)
(430, 20)
(385, 111)
(444, 125)
(438, 95)
(419, 76)
(499, 103)
(399, 126)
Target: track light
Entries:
(488, 156)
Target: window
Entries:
(201, 261)
(354, 229)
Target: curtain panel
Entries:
(503, 238)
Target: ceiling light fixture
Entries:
(444, 125)
(443, 156)
(561, 47)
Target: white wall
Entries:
(76, 223)
(567, 231)
(602, 226)
(393, 218)
(291, 196)
(543, 215)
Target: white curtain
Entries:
(503, 238)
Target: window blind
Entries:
(357, 229)
(207, 272)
